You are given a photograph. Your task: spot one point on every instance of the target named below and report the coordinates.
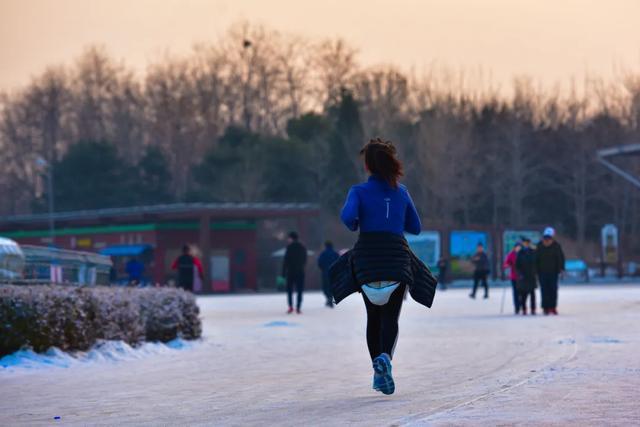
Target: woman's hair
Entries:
(380, 159)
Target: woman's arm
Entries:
(349, 214)
(411, 219)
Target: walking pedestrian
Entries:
(526, 271)
(381, 264)
(326, 258)
(187, 265)
(510, 263)
(481, 271)
(549, 265)
(295, 259)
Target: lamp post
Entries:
(246, 45)
(43, 163)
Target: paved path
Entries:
(461, 363)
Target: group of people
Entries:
(528, 266)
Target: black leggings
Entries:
(382, 323)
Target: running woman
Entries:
(381, 261)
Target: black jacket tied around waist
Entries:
(382, 256)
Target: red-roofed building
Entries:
(223, 235)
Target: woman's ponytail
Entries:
(380, 159)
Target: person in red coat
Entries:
(510, 263)
(185, 264)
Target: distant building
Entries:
(223, 235)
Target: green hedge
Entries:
(73, 318)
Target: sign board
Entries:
(84, 242)
(609, 236)
(426, 246)
(463, 247)
(220, 271)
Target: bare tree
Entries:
(525, 165)
(265, 85)
(383, 95)
(34, 124)
(336, 65)
(94, 84)
(441, 173)
(126, 114)
(295, 61)
(15, 142)
(210, 74)
(170, 113)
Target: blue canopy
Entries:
(125, 250)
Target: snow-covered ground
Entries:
(460, 363)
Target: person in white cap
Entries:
(549, 265)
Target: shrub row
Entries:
(73, 318)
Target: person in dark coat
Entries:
(381, 263)
(549, 266)
(295, 259)
(526, 282)
(443, 269)
(325, 260)
(185, 264)
(481, 271)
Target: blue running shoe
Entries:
(376, 380)
(382, 379)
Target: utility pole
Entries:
(52, 224)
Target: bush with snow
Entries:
(73, 318)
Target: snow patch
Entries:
(103, 352)
(279, 323)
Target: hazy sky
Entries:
(550, 40)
